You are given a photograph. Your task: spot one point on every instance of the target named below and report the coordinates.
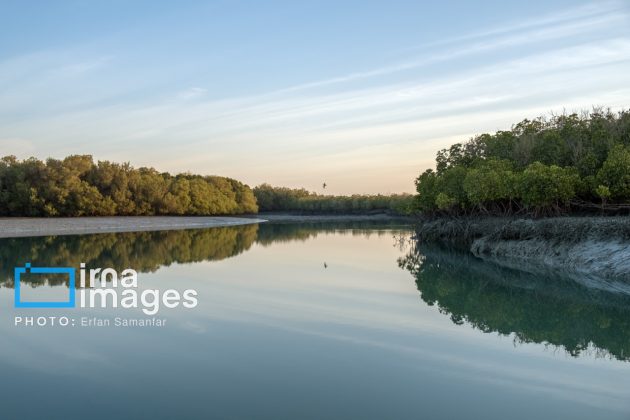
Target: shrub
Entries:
(543, 186)
(615, 172)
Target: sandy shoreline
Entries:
(14, 227)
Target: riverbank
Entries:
(592, 250)
(13, 227)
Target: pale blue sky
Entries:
(358, 94)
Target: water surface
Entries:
(314, 321)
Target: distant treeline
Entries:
(271, 198)
(543, 166)
(76, 186)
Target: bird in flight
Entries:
(324, 185)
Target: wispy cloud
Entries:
(373, 120)
(79, 68)
(578, 12)
(587, 18)
(191, 93)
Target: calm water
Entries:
(313, 321)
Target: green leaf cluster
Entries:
(76, 186)
(539, 166)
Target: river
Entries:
(307, 321)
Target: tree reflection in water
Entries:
(148, 251)
(549, 310)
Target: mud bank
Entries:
(594, 251)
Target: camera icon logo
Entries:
(69, 271)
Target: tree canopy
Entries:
(541, 166)
(76, 186)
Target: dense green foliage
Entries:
(541, 166)
(76, 186)
(300, 200)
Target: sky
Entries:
(357, 94)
